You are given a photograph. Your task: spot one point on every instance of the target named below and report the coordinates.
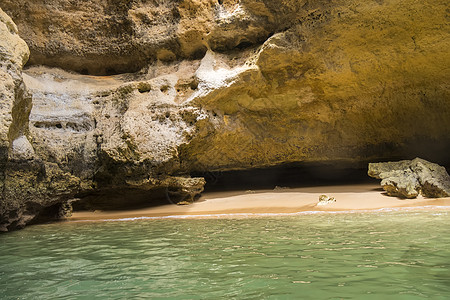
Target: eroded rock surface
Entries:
(104, 37)
(14, 102)
(409, 178)
(83, 134)
(29, 184)
(217, 86)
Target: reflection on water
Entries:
(396, 255)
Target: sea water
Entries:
(372, 255)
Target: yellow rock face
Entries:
(352, 82)
(14, 106)
(14, 50)
(276, 82)
(109, 37)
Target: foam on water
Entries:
(250, 215)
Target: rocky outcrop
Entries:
(79, 137)
(15, 103)
(217, 86)
(409, 178)
(28, 185)
(107, 37)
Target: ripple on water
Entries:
(393, 254)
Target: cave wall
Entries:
(197, 86)
(27, 184)
(117, 36)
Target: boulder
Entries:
(182, 190)
(409, 178)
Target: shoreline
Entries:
(282, 201)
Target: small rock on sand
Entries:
(324, 200)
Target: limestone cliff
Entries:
(117, 36)
(15, 104)
(217, 85)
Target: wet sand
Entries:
(278, 201)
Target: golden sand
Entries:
(279, 201)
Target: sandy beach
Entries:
(278, 201)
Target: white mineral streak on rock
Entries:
(212, 78)
(237, 12)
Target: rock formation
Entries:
(325, 200)
(15, 103)
(201, 85)
(409, 178)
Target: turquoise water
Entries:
(376, 255)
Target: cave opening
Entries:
(295, 175)
(122, 199)
(271, 178)
(276, 178)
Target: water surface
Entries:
(394, 255)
